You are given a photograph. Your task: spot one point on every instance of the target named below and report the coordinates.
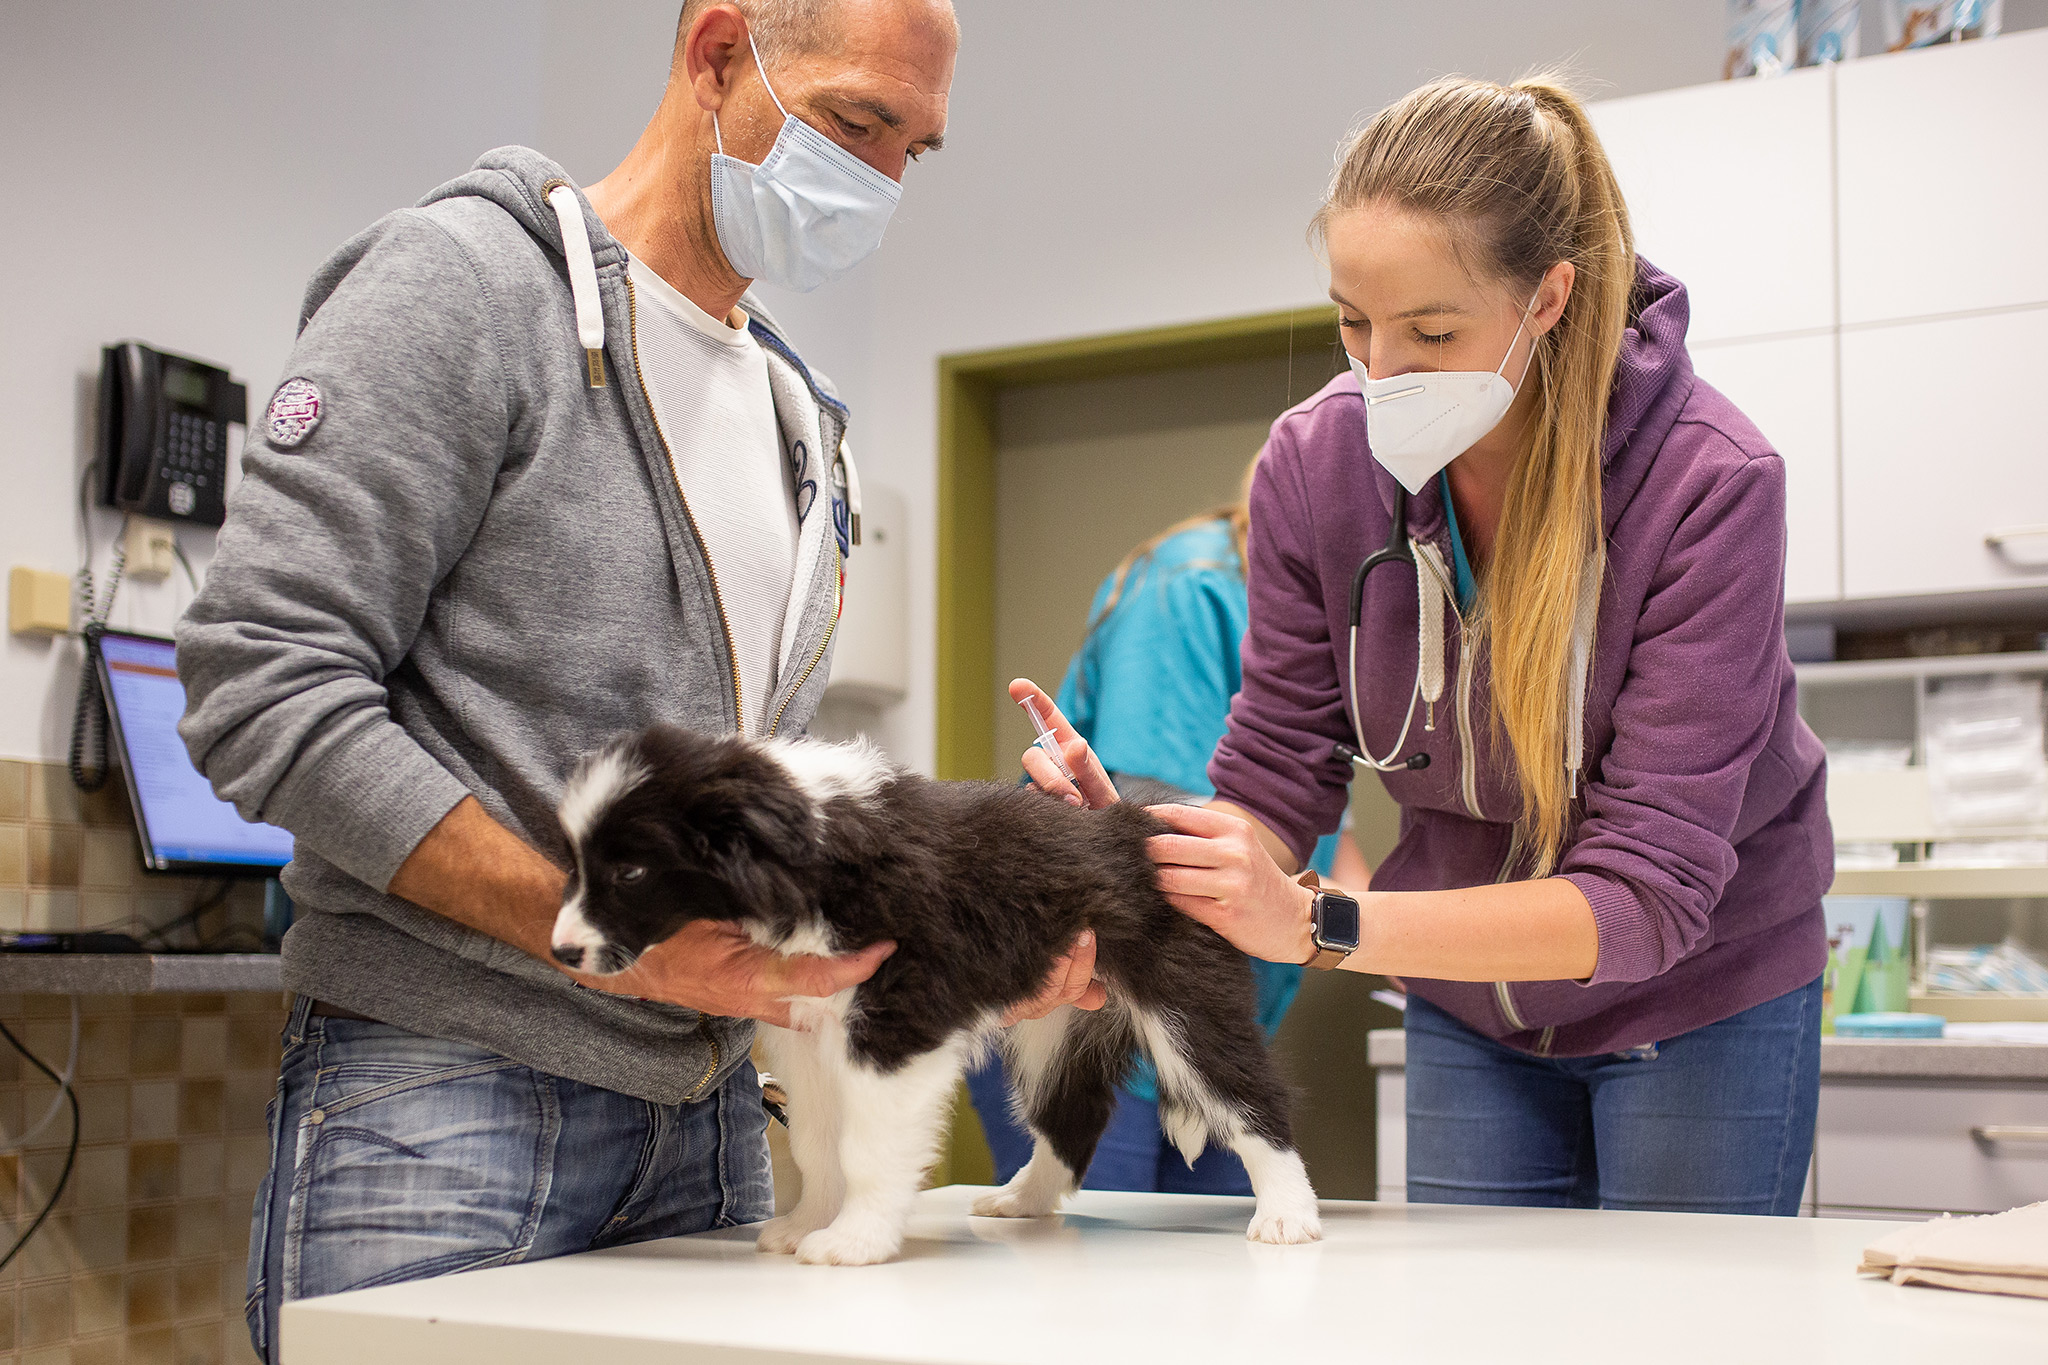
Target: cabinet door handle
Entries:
(2009, 1132)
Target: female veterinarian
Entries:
(1567, 663)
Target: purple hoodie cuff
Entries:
(1628, 937)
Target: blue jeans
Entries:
(1718, 1120)
(1133, 1154)
(397, 1157)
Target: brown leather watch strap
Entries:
(1325, 959)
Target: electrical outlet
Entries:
(152, 550)
(38, 602)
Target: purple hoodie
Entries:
(1701, 834)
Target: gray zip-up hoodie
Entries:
(452, 567)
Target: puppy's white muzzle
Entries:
(577, 944)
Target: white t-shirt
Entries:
(708, 384)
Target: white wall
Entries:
(178, 171)
(175, 174)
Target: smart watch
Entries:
(1332, 923)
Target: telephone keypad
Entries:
(194, 446)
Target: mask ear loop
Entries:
(762, 67)
(1520, 327)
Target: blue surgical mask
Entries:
(810, 212)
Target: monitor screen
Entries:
(184, 826)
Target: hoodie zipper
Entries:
(1468, 771)
(717, 1060)
(813, 664)
(1468, 789)
(1502, 994)
(1468, 777)
(718, 599)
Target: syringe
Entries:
(1047, 741)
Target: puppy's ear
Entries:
(768, 821)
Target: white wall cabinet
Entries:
(1943, 194)
(1943, 444)
(1728, 188)
(1786, 386)
(1862, 245)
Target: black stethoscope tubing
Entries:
(1397, 550)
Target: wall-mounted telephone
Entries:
(163, 439)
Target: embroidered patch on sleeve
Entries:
(294, 412)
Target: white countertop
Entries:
(1947, 1059)
(1127, 1279)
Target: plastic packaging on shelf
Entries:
(1986, 767)
(2008, 968)
(1988, 853)
(1922, 23)
(1865, 856)
(1829, 31)
(1763, 38)
(1868, 755)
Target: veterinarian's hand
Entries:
(1072, 982)
(1214, 869)
(1095, 787)
(716, 969)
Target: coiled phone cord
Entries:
(89, 717)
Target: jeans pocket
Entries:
(746, 1176)
(407, 1170)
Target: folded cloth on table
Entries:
(1999, 1253)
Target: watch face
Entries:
(1336, 922)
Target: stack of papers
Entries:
(2001, 1253)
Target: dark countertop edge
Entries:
(137, 973)
(1946, 1059)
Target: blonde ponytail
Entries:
(1519, 177)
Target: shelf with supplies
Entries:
(1843, 671)
(1934, 881)
(1980, 1006)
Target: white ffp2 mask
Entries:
(1419, 422)
(810, 212)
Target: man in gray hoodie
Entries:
(541, 472)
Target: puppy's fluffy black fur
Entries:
(982, 886)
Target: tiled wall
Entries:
(71, 861)
(142, 1260)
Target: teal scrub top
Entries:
(1461, 565)
(1150, 691)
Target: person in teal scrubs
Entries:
(1150, 691)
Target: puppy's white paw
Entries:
(779, 1236)
(1285, 1226)
(1009, 1203)
(863, 1241)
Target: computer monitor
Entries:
(184, 826)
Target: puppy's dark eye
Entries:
(629, 875)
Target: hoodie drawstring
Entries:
(582, 279)
(1430, 590)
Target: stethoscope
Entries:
(1399, 549)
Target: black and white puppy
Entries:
(827, 848)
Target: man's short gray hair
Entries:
(781, 28)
